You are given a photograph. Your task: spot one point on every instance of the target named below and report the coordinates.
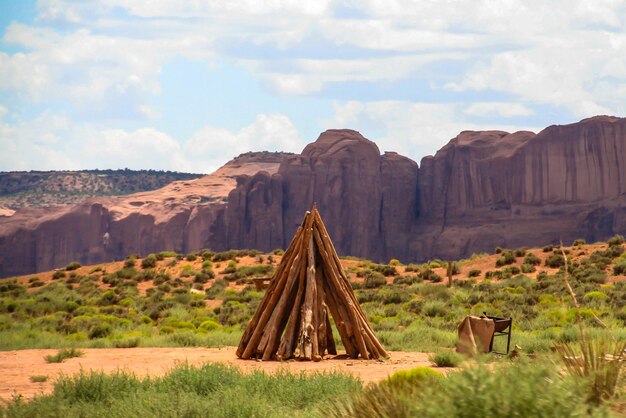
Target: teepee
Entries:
(293, 318)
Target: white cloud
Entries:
(208, 146)
(105, 58)
(502, 109)
(53, 142)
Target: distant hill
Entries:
(52, 188)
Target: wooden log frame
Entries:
(309, 287)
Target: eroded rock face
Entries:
(492, 188)
(481, 190)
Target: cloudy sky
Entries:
(187, 85)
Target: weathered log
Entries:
(308, 287)
(345, 285)
(271, 290)
(260, 325)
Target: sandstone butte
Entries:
(481, 190)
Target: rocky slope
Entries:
(481, 190)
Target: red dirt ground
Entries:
(17, 367)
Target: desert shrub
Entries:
(58, 275)
(231, 267)
(612, 252)
(619, 269)
(149, 261)
(555, 261)
(445, 358)
(434, 308)
(216, 289)
(126, 273)
(498, 274)
(62, 355)
(35, 283)
(579, 242)
(474, 273)
(394, 296)
(528, 268)
(407, 280)
(616, 240)
(411, 267)
(209, 325)
(99, 330)
(521, 252)
(204, 276)
(498, 250)
(532, 259)
(73, 266)
(384, 269)
(127, 343)
(187, 271)
(547, 248)
(39, 378)
(373, 280)
(506, 258)
(191, 257)
(511, 270)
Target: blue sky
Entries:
(186, 86)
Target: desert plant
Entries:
(598, 360)
(149, 261)
(521, 252)
(39, 378)
(616, 240)
(474, 273)
(62, 355)
(445, 358)
(506, 258)
(73, 266)
(555, 260)
(373, 280)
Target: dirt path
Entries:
(17, 367)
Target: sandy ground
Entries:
(17, 367)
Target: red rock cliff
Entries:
(481, 190)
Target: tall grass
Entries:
(508, 390)
(599, 361)
(211, 390)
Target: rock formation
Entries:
(481, 190)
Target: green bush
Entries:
(506, 258)
(532, 259)
(555, 261)
(434, 308)
(149, 261)
(446, 358)
(73, 266)
(616, 240)
(63, 355)
(517, 389)
(528, 268)
(374, 280)
(58, 275)
(474, 273)
(579, 242)
(521, 252)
